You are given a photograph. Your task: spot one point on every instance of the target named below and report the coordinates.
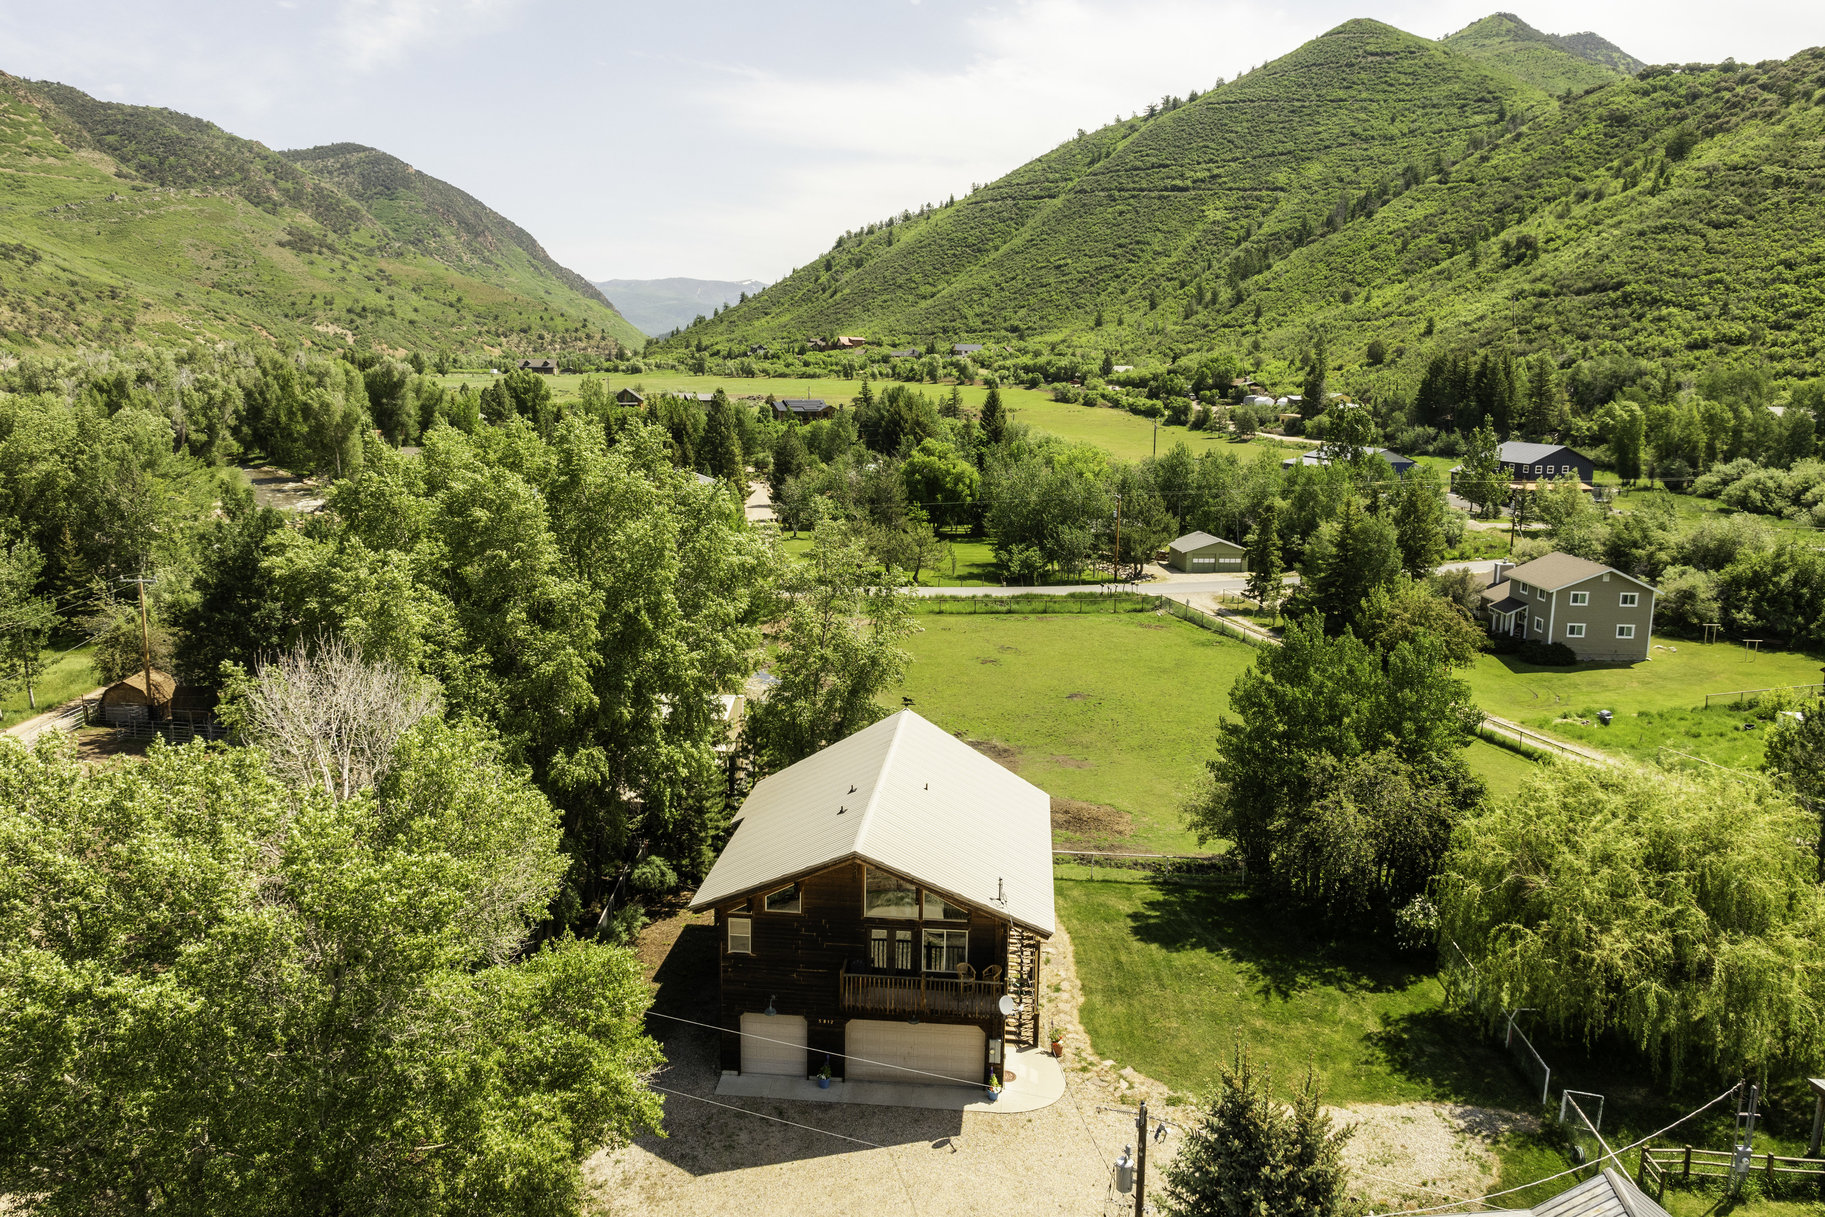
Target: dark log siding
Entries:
(798, 959)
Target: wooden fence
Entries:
(1736, 695)
(1688, 1165)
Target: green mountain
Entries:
(132, 222)
(1548, 62)
(659, 306)
(1375, 185)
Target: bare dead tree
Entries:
(328, 718)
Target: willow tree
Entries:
(1679, 912)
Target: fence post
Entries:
(1688, 1170)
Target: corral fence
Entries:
(1735, 696)
(1102, 602)
(1204, 870)
(1698, 1167)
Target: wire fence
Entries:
(1526, 1057)
(1219, 871)
(1581, 1116)
(1736, 696)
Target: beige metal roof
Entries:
(1556, 570)
(909, 798)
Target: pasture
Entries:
(1658, 704)
(67, 677)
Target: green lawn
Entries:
(1113, 709)
(68, 677)
(1501, 769)
(1657, 703)
(972, 564)
(1172, 972)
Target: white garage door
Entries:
(889, 1050)
(773, 1044)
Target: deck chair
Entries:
(964, 971)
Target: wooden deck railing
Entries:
(904, 996)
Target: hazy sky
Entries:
(736, 140)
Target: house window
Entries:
(785, 900)
(1539, 593)
(945, 949)
(1580, 599)
(1630, 599)
(937, 908)
(1539, 625)
(741, 936)
(1574, 629)
(1625, 631)
(886, 895)
(890, 950)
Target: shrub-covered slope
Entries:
(1550, 62)
(1373, 185)
(135, 222)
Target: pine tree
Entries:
(994, 417)
(1266, 570)
(1108, 358)
(720, 449)
(1419, 521)
(1316, 385)
(1252, 1155)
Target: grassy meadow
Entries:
(68, 677)
(1657, 704)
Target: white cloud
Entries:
(373, 33)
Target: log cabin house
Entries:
(876, 904)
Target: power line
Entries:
(900, 1174)
(796, 1044)
(1439, 1208)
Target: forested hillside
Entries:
(132, 222)
(1373, 185)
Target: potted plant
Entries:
(994, 1087)
(1058, 1041)
(823, 1075)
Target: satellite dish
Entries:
(1005, 1005)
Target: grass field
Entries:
(1172, 972)
(1121, 434)
(1112, 709)
(1656, 703)
(972, 564)
(68, 677)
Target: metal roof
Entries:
(1321, 455)
(909, 798)
(1198, 540)
(1607, 1194)
(1515, 452)
(1550, 572)
(801, 403)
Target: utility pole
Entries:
(145, 640)
(1140, 1162)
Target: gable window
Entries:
(1625, 631)
(937, 908)
(785, 900)
(1580, 599)
(885, 895)
(741, 935)
(1630, 599)
(945, 949)
(1574, 629)
(890, 950)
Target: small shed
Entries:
(126, 701)
(965, 348)
(1202, 554)
(627, 397)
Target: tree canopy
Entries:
(220, 994)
